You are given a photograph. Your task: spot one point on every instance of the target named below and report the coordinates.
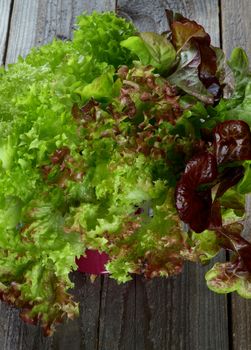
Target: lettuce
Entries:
(36, 97)
(152, 49)
(100, 35)
(109, 142)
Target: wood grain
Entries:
(117, 316)
(180, 313)
(175, 313)
(5, 11)
(82, 333)
(236, 25)
(15, 334)
(35, 22)
(236, 31)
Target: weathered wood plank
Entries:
(174, 313)
(5, 11)
(35, 22)
(236, 25)
(241, 323)
(117, 316)
(236, 31)
(82, 333)
(178, 313)
(14, 334)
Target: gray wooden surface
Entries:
(178, 313)
(5, 8)
(236, 31)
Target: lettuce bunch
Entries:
(112, 141)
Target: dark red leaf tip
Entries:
(232, 141)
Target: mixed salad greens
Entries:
(112, 141)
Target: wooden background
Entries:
(176, 313)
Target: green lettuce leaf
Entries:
(100, 35)
(222, 279)
(206, 245)
(152, 49)
(37, 252)
(244, 186)
(239, 65)
(92, 146)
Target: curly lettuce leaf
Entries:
(206, 245)
(222, 279)
(100, 35)
(36, 127)
(153, 246)
(90, 155)
(36, 257)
